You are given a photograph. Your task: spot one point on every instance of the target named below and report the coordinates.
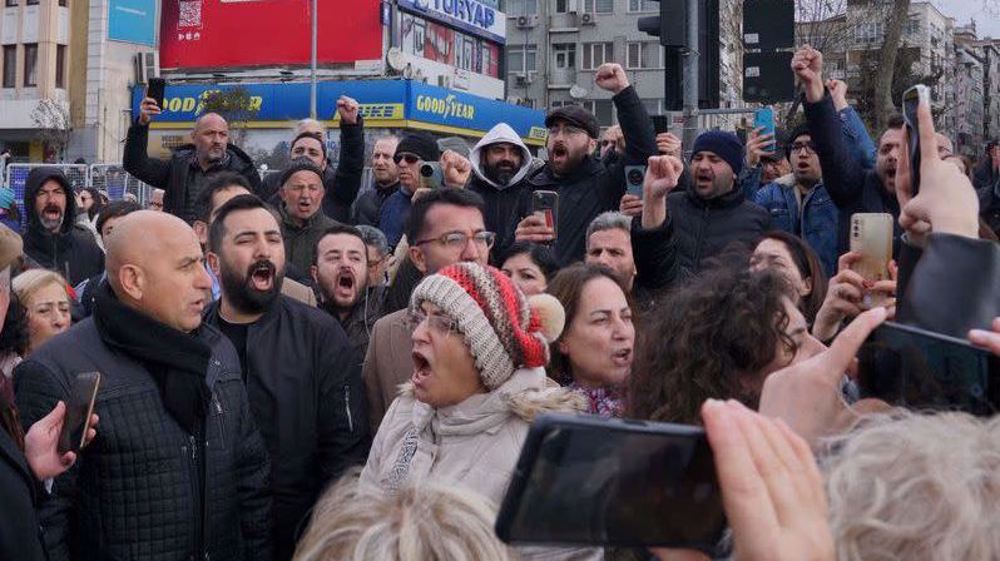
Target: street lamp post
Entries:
(312, 89)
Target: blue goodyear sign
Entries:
(132, 21)
(472, 16)
(380, 100)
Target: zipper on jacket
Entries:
(347, 407)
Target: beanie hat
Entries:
(503, 332)
(725, 145)
(421, 144)
(11, 247)
(300, 164)
(796, 132)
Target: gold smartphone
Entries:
(871, 236)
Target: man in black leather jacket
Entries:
(178, 470)
(301, 373)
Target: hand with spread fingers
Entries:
(758, 145)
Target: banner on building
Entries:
(472, 16)
(132, 21)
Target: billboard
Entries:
(471, 16)
(240, 33)
(132, 21)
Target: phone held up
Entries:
(912, 98)
(156, 89)
(764, 117)
(431, 176)
(79, 408)
(871, 236)
(587, 480)
(634, 176)
(546, 205)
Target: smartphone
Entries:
(634, 176)
(431, 176)
(871, 236)
(764, 117)
(587, 480)
(912, 98)
(546, 205)
(661, 123)
(918, 369)
(156, 89)
(79, 408)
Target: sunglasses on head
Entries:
(410, 158)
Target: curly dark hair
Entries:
(14, 335)
(707, 339)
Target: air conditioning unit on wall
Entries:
(587, 19)
(526, 22)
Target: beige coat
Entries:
(388, 364)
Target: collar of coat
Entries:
(731, 199)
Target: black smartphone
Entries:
(634, 176)
(79, 408)
(912, 98)
(546, 205)
(587, 480)
(661, 123)
(156, 89)
(918, 369)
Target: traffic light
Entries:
(768, 40)
(671, 28)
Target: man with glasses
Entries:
(585, 185)
(799, 204)
(446, 226)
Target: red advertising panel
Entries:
(221, 33)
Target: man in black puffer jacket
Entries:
(714, 212)
(188, 170)
(178, 470)
(52, 240)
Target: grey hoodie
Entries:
(500, 133)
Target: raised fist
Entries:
(611, 77)
(808, 67)
(348, 109)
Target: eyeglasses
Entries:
(410, 158)
(567, 130)
(458, 240)
(439, 323)
(809, 147)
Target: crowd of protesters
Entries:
(294, 370)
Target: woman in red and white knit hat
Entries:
(479, 351)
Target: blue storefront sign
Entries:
(395, 103)
(132, 21)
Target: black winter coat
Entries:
(173, 175)
(704, 228)
(135, 492)
(852, 188)
(304, 383)
(341, 184)
(501, 207)
(73, 252)
(594, 188)
(369, 205)
(20, 534)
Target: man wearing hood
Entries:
(52, 239)
(501, 164)
(189, 169)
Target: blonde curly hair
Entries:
(916, 487)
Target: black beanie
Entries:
(421, 144)
(790, 139)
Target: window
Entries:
(652, 106)
(643, 6)
(596, 54)
(9, 65)
(60, 66)
(10, 3)
(30, 65)
(521, 58)
(522, 7)
(564, 55)
(599, 6)
(603, 109)
(32, 2)
(644, 55)
(63, 3)
(562, 6)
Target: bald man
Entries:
(190, 167)
(179, 470)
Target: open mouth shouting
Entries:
(622, 358)
(421, 370)
(345, 287)
(262, 276)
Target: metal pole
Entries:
(691, 76)
(312, 89)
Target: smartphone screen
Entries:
(590, 481)
(79, 407)
(661, 123)
(546, 205)
(910, 367)
(156, 89)
(764, 117)
(911, 100)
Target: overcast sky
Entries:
(985, 12)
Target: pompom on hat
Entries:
(504, 330)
